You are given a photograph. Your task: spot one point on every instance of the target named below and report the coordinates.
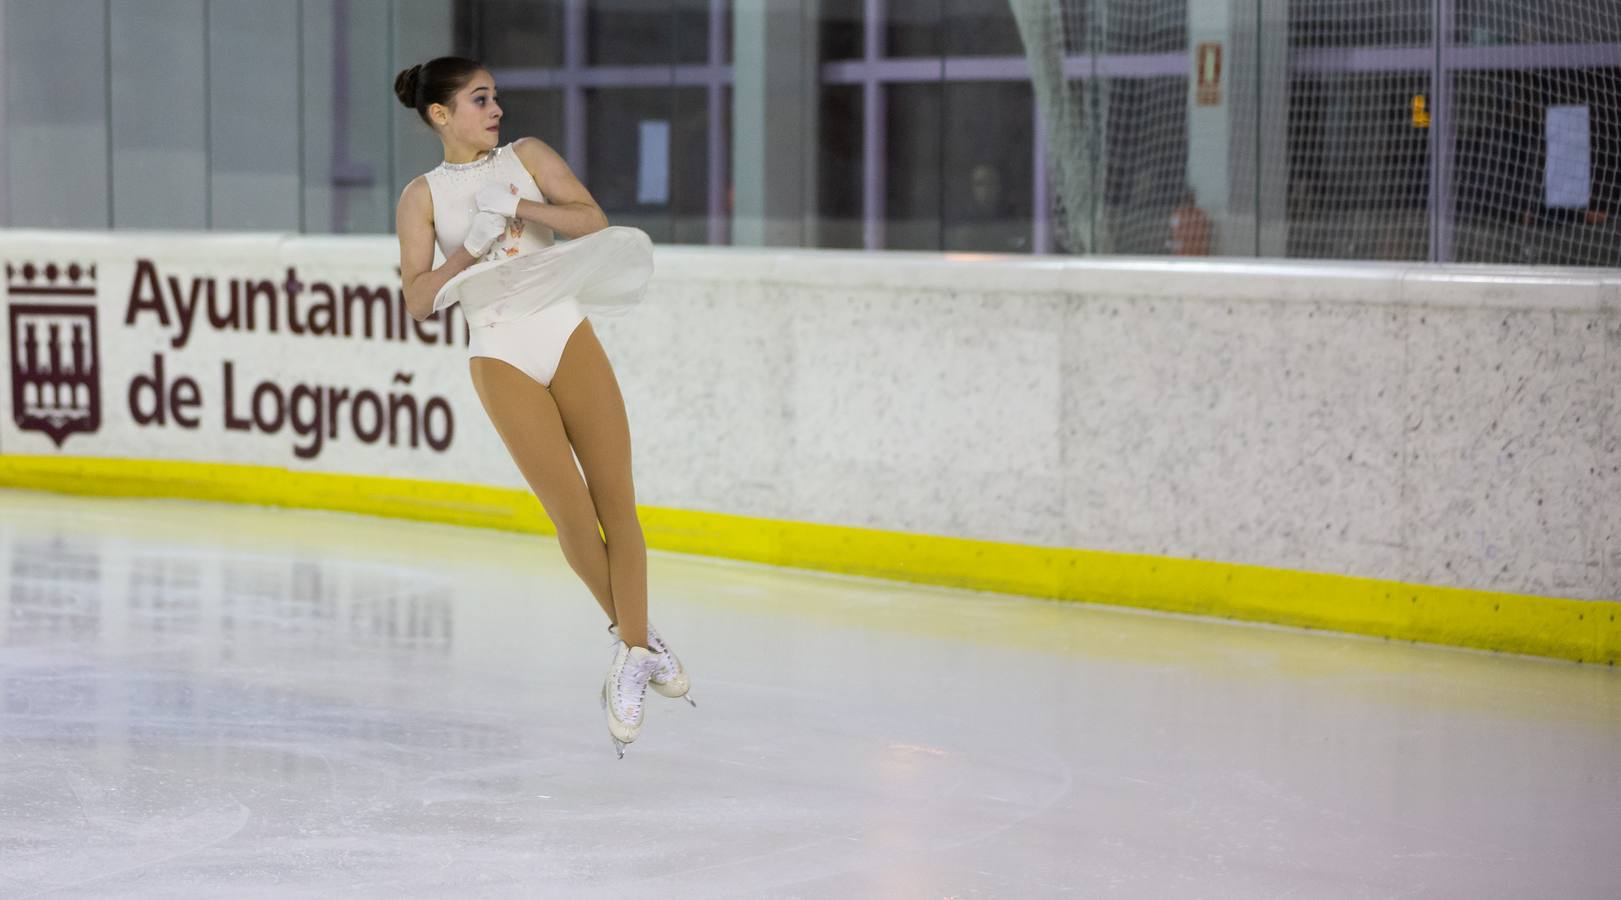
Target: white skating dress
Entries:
(528, 294)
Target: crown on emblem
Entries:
(30, 278)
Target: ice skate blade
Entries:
(602, 698)
(619, 745)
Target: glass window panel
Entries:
(673, 184)
(1124, 26)
(843, 29)
(1360, 23)
(348, 102)
(1501, 168)
(839, 171)
(689, 22)
(689, 164)
(518, 33)
(536, 112)
(912, 167)
(157, 148)
(1487, 22)
(647, 32)
(1145, 26)
(614, 117)
(255, 182)
(987, 168)
(726, 39)
(1147, 163)
(57, 165)
(981, 28)
(723, 233)
(912, 28)
(1358, 167)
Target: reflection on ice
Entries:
(66, 589)
(53, 586)
(206, 701)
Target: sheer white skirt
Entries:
(522, 310)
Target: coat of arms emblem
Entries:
(55, 364)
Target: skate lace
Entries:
(668, 666)
(631, 687)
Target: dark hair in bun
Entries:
(435, 81)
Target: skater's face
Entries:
(474, 118)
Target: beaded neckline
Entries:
(456, 167)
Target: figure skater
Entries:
(535, 362)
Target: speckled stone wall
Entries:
(1447, 426)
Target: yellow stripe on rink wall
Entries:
(1581, 630)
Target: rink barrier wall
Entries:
(1198, 436)
(1577, 630)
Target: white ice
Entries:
(203, 700)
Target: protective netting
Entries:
(1470, 130)
(1115, 118)
(1537, 160)
(1358, 168)
(1072, 122)
(1075, 121)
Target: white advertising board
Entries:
(257, 349)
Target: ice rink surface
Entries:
(203, 700)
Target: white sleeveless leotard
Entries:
(453, 186)
(527, 294)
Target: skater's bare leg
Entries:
(593, 414)
(527, 419)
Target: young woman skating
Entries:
(535, 361)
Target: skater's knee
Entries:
(575, 533)
(621, 527)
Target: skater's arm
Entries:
(569, 208)
(413, 219)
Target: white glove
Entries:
(486, 227)
(499, 198)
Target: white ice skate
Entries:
(623, 691)
(671, 677)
